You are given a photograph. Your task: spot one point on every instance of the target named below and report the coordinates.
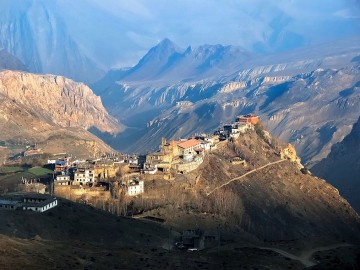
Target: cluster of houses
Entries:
(242, 124)
(95, 174)
(93, 177)
(180, 156)
(185, 155)
(174, 157)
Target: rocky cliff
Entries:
(341, 167)
(36, 108)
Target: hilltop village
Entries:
(121, 176)
(126, 173)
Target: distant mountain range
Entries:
(307, 96)
(166, 63)
(82, 40)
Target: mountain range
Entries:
(83, 39)
(308, 96)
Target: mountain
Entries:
(298, 94)
(166, 62)
(82, 39)
(35, 33)
(268, 197)
(265, 212)
(341, 167)
(8, 61)
(53, 112)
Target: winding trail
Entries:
(244, 175)
(305, 257)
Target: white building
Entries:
(135, 187)
(63, 177)
(39, 205)
(30, 202)
(206, 145)
(84, 175)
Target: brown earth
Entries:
(277, 202)
(276, 207)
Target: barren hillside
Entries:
(53, 112)
(269, 198)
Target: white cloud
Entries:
(348, 13)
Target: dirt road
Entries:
(306, 256)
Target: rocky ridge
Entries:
(35, 108)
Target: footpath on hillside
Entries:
(244, 175)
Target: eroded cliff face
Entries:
(53, 112)
(58, 100)
(341, 167)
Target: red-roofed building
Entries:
(189, 146)
(248, 119)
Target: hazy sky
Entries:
(119, 32)
(260, 24)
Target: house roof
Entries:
(189, 143)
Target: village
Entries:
(89, 178)
(112, 181)
(86, 180)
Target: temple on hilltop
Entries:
(248, 119)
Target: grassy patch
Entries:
(10, 169)
(38, 171)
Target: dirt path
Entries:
(305, 257)
(244, 175)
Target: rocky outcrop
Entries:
(58, 100)
(289, 152)
(232, 86)
(53, 112)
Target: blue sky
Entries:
(118, 32)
